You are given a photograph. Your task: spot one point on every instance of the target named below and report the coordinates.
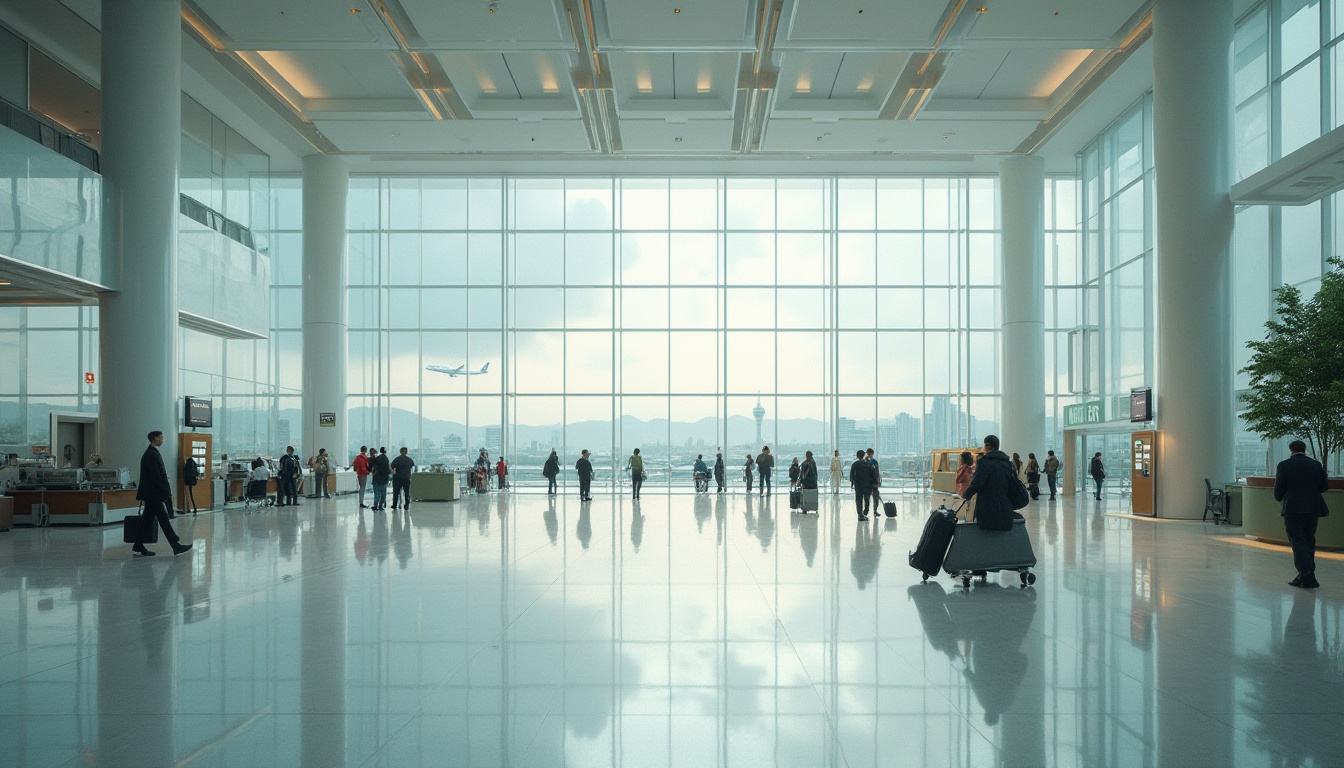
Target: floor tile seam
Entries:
(388, 741)
(1249, 737)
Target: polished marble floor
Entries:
(514, 629)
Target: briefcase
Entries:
(139, 529)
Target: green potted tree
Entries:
(1297, 370)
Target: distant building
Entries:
(850, 438)
(453, 444)
(759, 414)
(494, 440)
(282, 433)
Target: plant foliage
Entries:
(1297, 370)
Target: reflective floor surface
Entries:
(693, 631)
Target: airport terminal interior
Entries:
(506, 234)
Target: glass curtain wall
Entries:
(1064, 287)
(678, 315)
(1116, 269)
(1289, 85)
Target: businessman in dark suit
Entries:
(157, 495)
(1299, 482)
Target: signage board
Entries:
(326, 419)
(1079, 414)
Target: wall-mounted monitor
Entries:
(1141, 404)
(200, 412)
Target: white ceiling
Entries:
(771, 83)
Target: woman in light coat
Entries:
(837, 466)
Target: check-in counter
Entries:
(1261, 519)
(81, 507)
(435, 486)
(6, 512)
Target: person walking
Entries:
(191, 474)
(1051, 469)
(1097, 471)
(837, 466)
(290, 470)
(990, 484)
(1018, 466)
(1299, 482)
(749, 471)
(765, 466)
(720, 472)
(807, 473)
(1033, 476)
(321, 466)
(157, 495)
(871, 458)
(636, 474)
(402, 467)
(382, 471)
(794, 470)
(361, 467)
(502, 472)
(584, 468)
(861, 477)
(551, 469)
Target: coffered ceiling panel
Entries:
(295, 24)
(504, 24)
(1052, 23)
(860, 24)
(339, 74)
(839, 81)
(450, 136)
(895, 136)
(662, 137)
(674, 82)
(675, 24)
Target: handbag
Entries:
(139, 528)
(1017, 493)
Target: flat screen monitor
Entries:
(1141, 404)
(199, 412)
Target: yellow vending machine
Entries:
(1143, 462)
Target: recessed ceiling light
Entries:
(982, 9)
(676, 10)
(354, 10)
(4, 281)
(677, 139)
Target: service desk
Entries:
(1260, 518)
(84, 507)
(434, 486)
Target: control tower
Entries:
(759, 413)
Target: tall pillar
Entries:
(326, 180)
(1022, 206)
(1192, 143)
(142, 137)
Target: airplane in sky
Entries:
(460, 370)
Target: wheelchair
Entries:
(701, 482)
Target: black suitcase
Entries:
(889, 507)
(933, 542)
(795, 498)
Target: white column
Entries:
(142, 136)
(326, 180)
(1022, 206)
(1192, 142)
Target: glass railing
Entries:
(48, 134)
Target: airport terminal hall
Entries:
(696, 383)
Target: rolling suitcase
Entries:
(974, 549)
(807, 502)
(927, 557)
(795, 498)
(889, 507)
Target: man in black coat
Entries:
(288, 486)
(154, 490)
(1299, 482)
(585, 469)
(993, 473)
(720, 472)
(861, 477)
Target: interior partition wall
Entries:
(683, 316)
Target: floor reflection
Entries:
(478, 633)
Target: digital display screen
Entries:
(1141, 404)
(200, 412)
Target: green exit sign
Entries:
(1083, 413)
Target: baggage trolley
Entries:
(975, 552)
